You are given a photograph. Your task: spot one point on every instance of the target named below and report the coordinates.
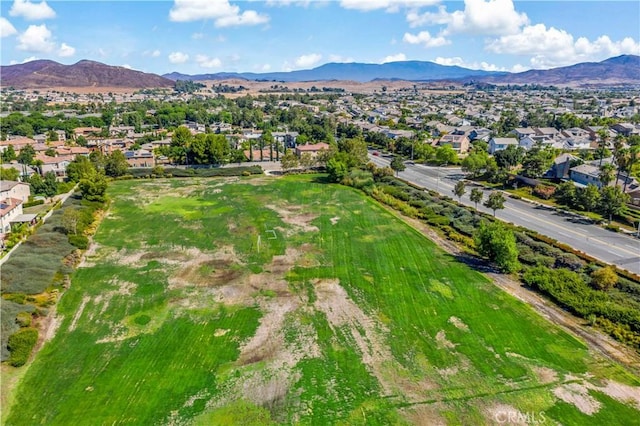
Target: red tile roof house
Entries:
(313, 149)
(12, 195)
(58, 164)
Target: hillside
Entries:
(623, 69)
(45, 74)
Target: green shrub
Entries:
(21, 344)
(79, 241)
(33, 203)
(24, 319)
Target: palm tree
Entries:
(607, 172)
(603, 143)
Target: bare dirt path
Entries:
(595, 340)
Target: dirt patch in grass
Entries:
(545, 375)
(578, 395)
(457, 323)
(369, 336)
(78, 313)
(425, 415)
(296, 217)
(443, 342)
(505, 414)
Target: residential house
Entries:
(12, 195)
(498, 144)
(523, 132)
(287, 139)
(140, 158)
(24, 170)
(86, 131)
(460, 143)
(17, 143)
(585, 174)
(57, 164)
(480, 134)
(561, 166)
(313, 149)
(626, 129)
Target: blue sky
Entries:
(207, 36)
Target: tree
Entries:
(9, 174)
(537, 161)
(607, 173)
(52, 136)
(612, 201)
(588, 198)
(94, 187)
(459, 189)
(50, 187)
(498, 244)
(307, 160)
(603, 143)
(566, 194)
(509, 157)
(397, 165)
(289, 161)
(9, 154)
(476, 196)
(27, 153)
(116, 164)
(337, 169)
(50, 152)
(70, 219)
(475, 163)
(79, 168)
(495, 202)
(446, 155)
(604, 278)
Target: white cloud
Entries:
(206, 62)
(265, 67)
(425, 39)
(306, 61)
(552, 47)
(66, 50)
(395, 58)
(197, 36)
(496, 17)
(458, 61)
(127, 66)
(24, 61)
(389, 5)
(37, 38)
(222, 12)
(6, 29)
(178, 57)
(155, 53)
(340, 58)
(32, 11)
(303, 3)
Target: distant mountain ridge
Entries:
(85, 73)
(620, 70)
(404, 70)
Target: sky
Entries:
(209, 36)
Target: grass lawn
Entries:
(258, 300)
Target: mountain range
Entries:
(49, 74)
(620, 70)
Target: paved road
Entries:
(618, 249)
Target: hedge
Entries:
(21, 344)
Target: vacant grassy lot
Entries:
(288, 300)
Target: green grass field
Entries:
(259, 300)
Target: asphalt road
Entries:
(611, 247)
